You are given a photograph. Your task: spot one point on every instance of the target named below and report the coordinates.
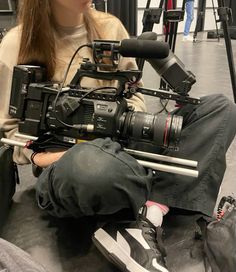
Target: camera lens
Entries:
(163, 130)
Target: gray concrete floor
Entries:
(65, 245)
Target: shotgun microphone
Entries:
(134, 48)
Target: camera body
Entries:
(82, 113)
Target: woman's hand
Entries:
(44, 159)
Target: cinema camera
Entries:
(58, 116)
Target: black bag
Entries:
(219, 238)
(8, 180)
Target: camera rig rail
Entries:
(153, 161)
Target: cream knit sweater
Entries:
(67, 41)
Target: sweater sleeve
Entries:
(9, 49)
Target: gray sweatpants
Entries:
(97, 177)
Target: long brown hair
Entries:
(38, 40)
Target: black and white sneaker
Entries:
(133, 247)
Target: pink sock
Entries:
(164, 208)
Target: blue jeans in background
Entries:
(190, 15)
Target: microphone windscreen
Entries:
(146, 49)
(148, 35)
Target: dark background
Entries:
(126, 10)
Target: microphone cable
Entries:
(60, 90)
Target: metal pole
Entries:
(148, 164)
(214, 13)
(105, 5)
(12, 142)
(158, 157)
(224, 14)
(169, 169)
(147, 26)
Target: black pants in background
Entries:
(98, 178)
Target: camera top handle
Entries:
(89, 69)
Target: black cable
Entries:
(62, 84)
(164, 106)
(82, 126)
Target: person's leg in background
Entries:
(190, 15)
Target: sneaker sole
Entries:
(115, 254)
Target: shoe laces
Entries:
(154, 235)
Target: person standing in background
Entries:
(189, 7)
